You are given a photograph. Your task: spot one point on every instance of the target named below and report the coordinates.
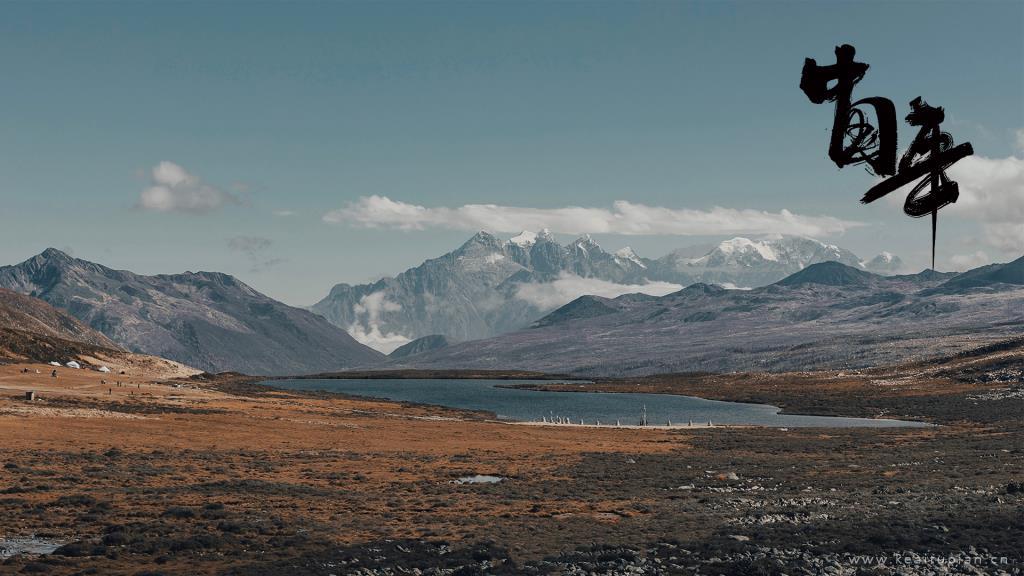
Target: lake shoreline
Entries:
(488, 397)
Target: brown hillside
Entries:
(34, 316)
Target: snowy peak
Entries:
(585, 247)
(627, 254)
(787, 251)
(586, 241)
(484, 253)
(740, 248)
(743, 262)
(527, 238)
(884, 263)
(483, 249)
(489, 286)
(524, 239)
(482, 238)
(540, 253)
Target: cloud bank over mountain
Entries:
(567, 287)
(366, 327)
(626, 218)
(992, 192)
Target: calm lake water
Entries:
(531, 405)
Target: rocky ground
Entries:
(219, 476)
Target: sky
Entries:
(299, 145)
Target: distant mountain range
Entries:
(828, 315)
(822, 315)
(745, 263)
(207, 320)
(489, 286)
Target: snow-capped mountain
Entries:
(472, 292)
(884, 263)
(827, 316)
(746, 263)
(489, 286)
(627, 254)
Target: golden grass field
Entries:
(187, 476)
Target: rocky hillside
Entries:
(420, 345)
(33, 331)
(34, 316)
(205, 319)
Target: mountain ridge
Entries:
(830, 274)
(1010, 273)
(209, 320)
(488, 286)
(34, 316)
(420, 345)
(830, 316)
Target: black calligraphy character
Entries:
(931, 153)
(874, 146)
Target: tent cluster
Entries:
(75, 365)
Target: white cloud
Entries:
(963, 262)
(372, 336)
(283, 213)
(1020, 139)
(623, 218)
(568, 287)
(366, 329)
(174, 189)
(731, 286)
(992, 193)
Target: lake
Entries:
(533, 405)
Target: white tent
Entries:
(103, 369)
(55, 364)
(74, 365)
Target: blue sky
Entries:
(265, 109)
